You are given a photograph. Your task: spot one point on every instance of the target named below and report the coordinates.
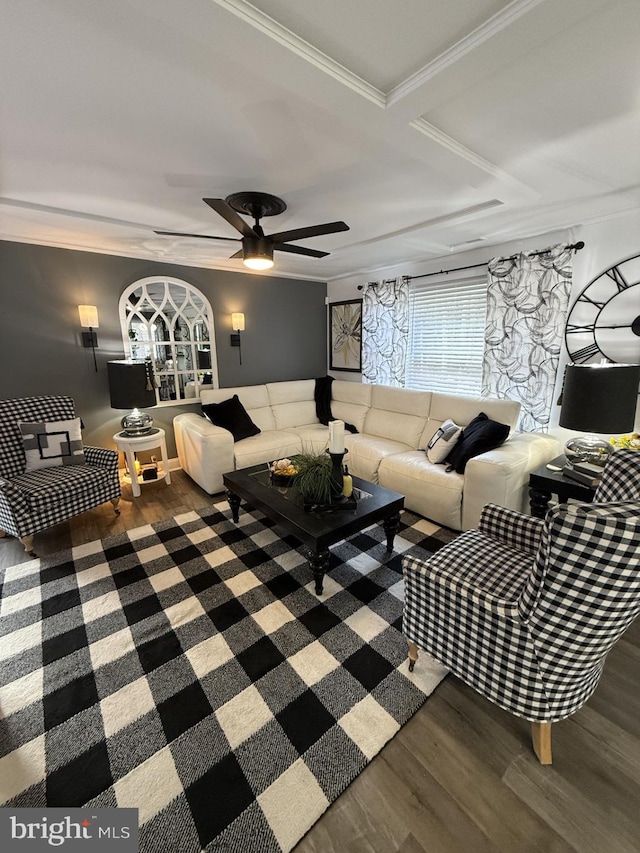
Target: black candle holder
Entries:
(337, 481)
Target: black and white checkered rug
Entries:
(188, 669)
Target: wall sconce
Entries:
(237, 324)
(89, 320)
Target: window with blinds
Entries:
(446, 335)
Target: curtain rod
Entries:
(575, 246)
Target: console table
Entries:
(544, 483)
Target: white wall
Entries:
(347, 288)
(606, 243)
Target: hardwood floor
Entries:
(461, 775)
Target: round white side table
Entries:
(132, 444)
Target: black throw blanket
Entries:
(322, 396)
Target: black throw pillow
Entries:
(479, 435)
(231, 415)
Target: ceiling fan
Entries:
(257, 247)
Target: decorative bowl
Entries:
(283, 472)
(282, 480)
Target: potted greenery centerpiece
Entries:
(313, 480)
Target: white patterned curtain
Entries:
(385, 332)
(527, 302)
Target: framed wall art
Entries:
(345, 336)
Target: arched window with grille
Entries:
(170, 322)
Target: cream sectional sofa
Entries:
(394, 426)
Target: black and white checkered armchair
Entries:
(525, 610)
(32, 500)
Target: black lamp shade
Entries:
(128, 385)
(600, 398)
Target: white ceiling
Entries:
(429, 126)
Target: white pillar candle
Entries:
(336, 436)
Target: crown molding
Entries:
(304, 49)
(221, 265)
(460, 214)
(400, 269)
(286, 37)
(460, 150)
(270, 27)
(491, 27)
(74, 214)
(558, 214)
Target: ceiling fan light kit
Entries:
(257, 247)
(257, 253)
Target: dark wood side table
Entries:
(544, 483)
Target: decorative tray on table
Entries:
(340, 504)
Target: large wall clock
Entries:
(604, 321)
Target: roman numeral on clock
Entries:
(584, 298)
(585, 353)
(620, 280)
(574, 330)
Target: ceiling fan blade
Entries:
(299, 250)
(311, 231)
(227, 212)
(238, 254)
(200, 236)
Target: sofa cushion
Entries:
(293, 391)
(398, 413)
(266, 447)
(314, 438)
(49, 444)
(231, 415)
(350, 402)
(365, 452)
(289, 415)
(443, 441)
(292, 403)
(463, 409)
(480, 435)
(428, 489)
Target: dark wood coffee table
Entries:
(317, 529)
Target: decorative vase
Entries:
(337, 477)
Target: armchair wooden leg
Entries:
(115, 502)
(541, 739)
(27, 541)
(413, 654)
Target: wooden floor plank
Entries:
(453, 828)
(591, 827)
(460, 777)
(608, 743)
(457, 755)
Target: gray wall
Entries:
(40, 336)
